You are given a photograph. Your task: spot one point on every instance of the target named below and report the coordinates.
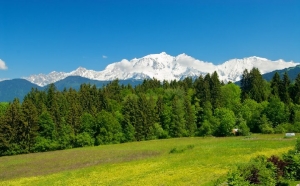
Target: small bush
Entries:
(84, 140)
(190, 146)
(296, 127)
(292, 170)
(175, 150)
(257, 171)
(279, 129)
(266, 129)
(279, 164)
(244, 130)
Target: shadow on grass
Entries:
(39, 164)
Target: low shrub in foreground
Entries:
(272, 171)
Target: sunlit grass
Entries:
(199, 161)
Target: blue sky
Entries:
(42, 36)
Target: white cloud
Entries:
(104, 57)
(2, 65)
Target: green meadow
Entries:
(179, 161)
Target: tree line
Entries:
(51, 119)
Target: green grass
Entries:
(182, 161)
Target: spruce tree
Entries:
(295, 93)
(30, 124)
(275, 84)
(284, 88)
(245, 85)
(177, 128)
(215, 90)
(190, 117)
(10, 129)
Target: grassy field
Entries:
(193, 161)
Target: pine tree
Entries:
(198, 86)
(46, 126)
(215, 90)
(190, 117)
(295, 93)
(30, 124)
(206, 94)
(52, 104)
(275, 84)
(284, 88)
(177, 128)
(130, 125)
(257, 86)
(10, 129)
(245, 85)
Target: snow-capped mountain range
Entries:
(165, 67)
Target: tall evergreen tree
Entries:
(215, 90)
(52, 104)
(245, 85)
(10, 129)
(190, 117)
(130, 125)
(206, 94)
(295, 93)
(177, 128)
(257, 86)
(146, 116)
(30, 124)
(275, 84)
(284, 88)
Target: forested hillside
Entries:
(52, 119)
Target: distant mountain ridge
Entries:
(291, 71)
(160, 66)
(165, 67)
(18, 88)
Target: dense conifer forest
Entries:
(52, 120)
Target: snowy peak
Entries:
(166, 67)
(231, 70)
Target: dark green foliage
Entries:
(253, 86)
(275, 84)
(215, 90)
(295, 90)
(284, 88)
(10, 129)
(29, 125)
